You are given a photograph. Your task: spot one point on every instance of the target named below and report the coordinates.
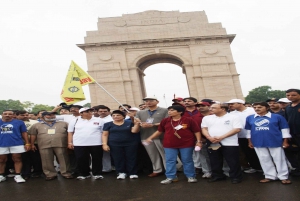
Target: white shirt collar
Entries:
(266, 115)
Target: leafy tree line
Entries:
(263, 93)
(26, 105)
(18, 105)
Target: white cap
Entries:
(85, 109)
(150, 98)
(284, 100)
(236, 101)
(134, 109)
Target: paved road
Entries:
(144, 188)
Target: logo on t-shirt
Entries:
(96, 123)
(227, 122)
(7, 129)
(262, 124)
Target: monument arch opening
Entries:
(164, 80)
(166, 71)
(123, 47)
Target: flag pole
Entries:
(111, 95)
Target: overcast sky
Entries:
(38, 41)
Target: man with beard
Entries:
(52, 138)
(275, 106)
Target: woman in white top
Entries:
(84, 136)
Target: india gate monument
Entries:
(123, 47)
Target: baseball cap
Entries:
(203, 103)
(85, 109)
(272, 99)
(284, 100)
(177, 98)
(134, 109)
(48, 113)
(210, 101)
(150, 98)
(235, 100)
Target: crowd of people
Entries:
(216, 139)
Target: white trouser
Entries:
(156, 153)
(266, 158)
(201, 160)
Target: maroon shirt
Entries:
(196, 115)
(187, 133)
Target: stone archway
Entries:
(122, 47)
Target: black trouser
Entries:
(36, 161)
(293, 152)
(26, 164)
(83, 153)
(143, 160)
(231, 155)
(250, 154)
(125, 158)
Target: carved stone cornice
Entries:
(167, 42)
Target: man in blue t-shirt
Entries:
(268, 134)
(13, 133)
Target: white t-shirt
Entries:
(66, 117)
(218, 126)
(87, 132)
(106, 119)
(243, 115)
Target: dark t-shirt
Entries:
(292, 115)
(187, 133)
(120, 135)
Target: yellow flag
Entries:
(72, 90)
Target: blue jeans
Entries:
(186, 159)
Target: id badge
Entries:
(150, 120)
(51, 131)
(178, 127)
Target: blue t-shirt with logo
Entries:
(266, 131)
(11, 133)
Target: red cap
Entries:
(203, 103)
(177, 98)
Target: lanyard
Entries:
(49, 124)
(151, 113)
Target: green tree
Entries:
(28, 105)
(38, 107)
(263, 93)
(10, 105)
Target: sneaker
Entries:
(2, 178)
(11, 175)
(192, 180)
(169, 180)
(250, 171)
(133, 176)
(83, 177)
(121, 176)
(98, 177)
(226, 174)
(19, 179)
(206, 176)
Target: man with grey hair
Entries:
(220, 129)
